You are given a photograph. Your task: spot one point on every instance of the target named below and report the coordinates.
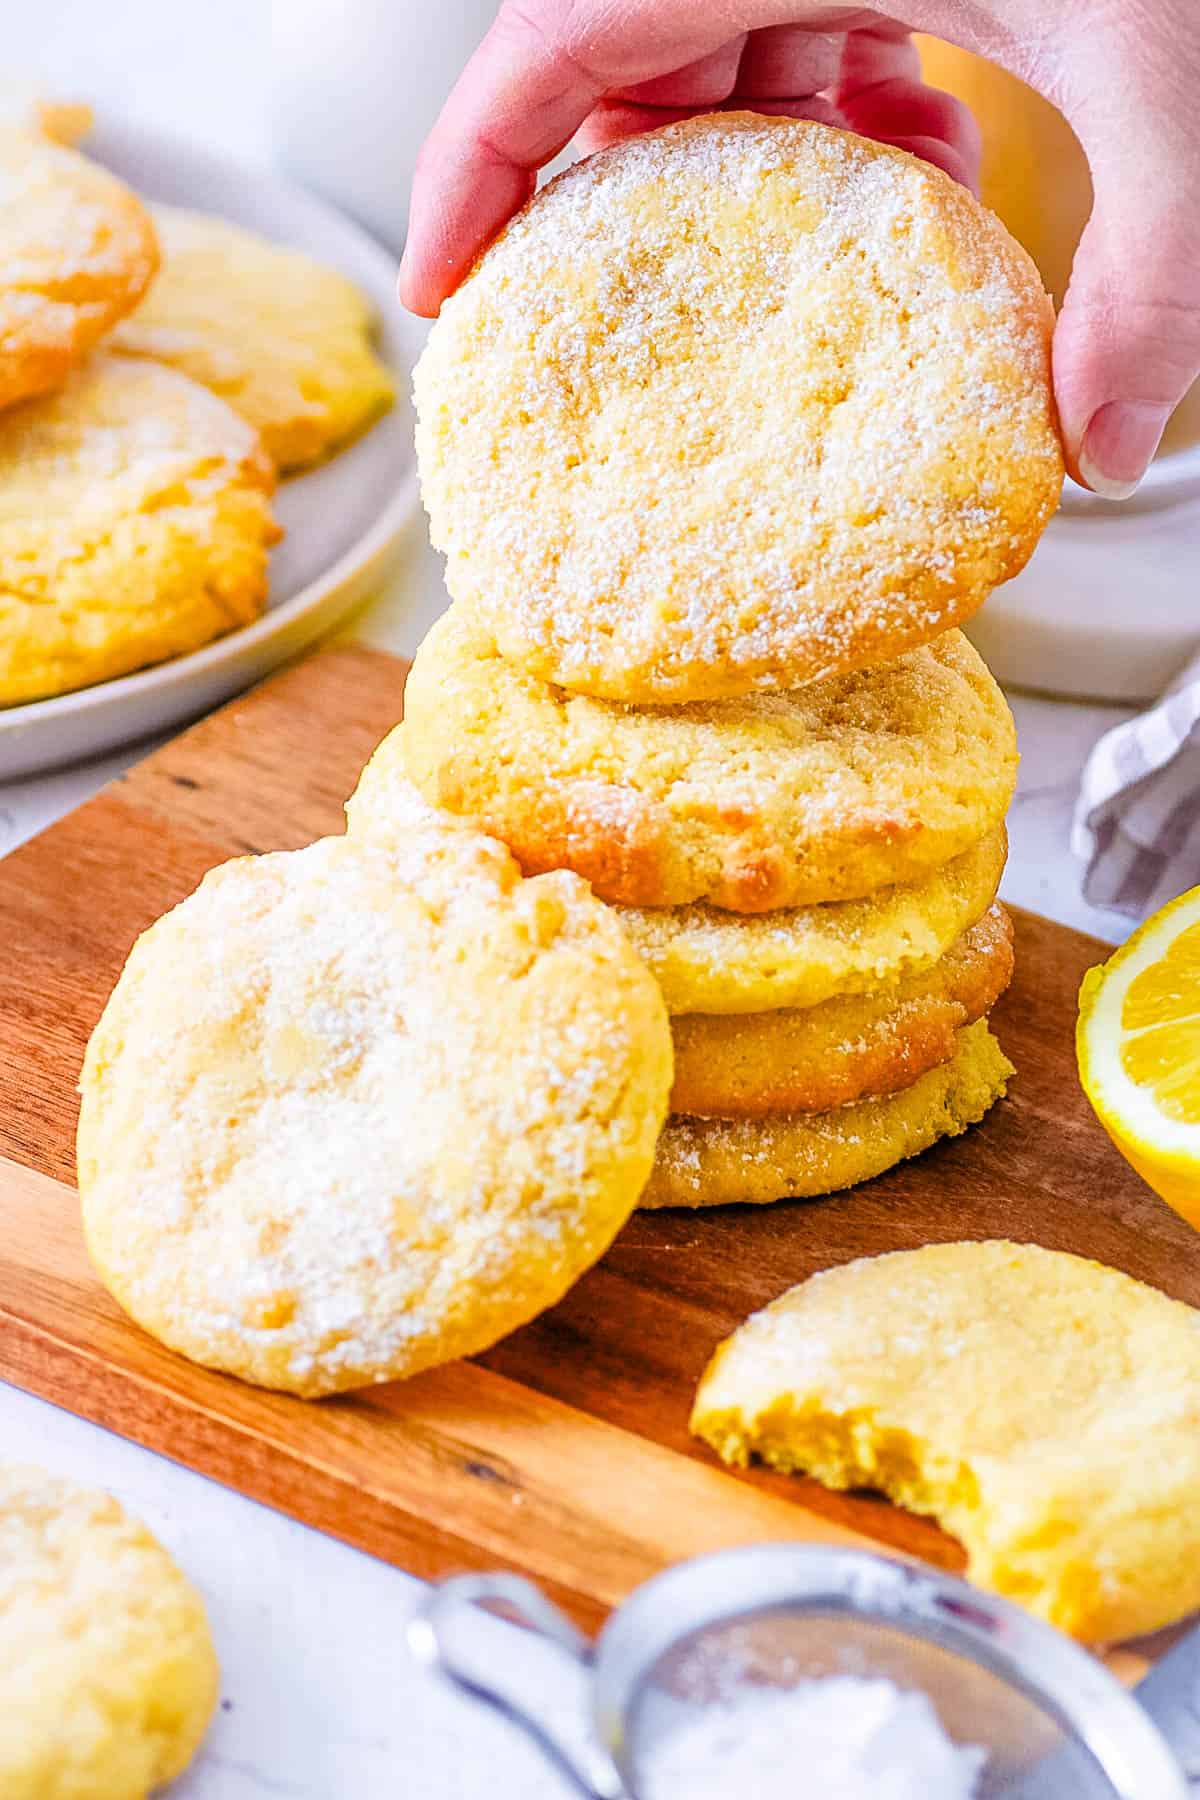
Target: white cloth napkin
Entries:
(1137, 819)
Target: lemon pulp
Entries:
(1138, 1043)
(1161, 1014)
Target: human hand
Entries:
(1127, 344)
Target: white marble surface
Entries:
(319, 1699)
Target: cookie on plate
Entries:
(134, 525)
(284, 339)
(708, 961)
(349, 1114)
(110, 1676)
(773, 800)
(1074, 1492)
(856, 1047)
(796, 1156)
(735, 405)
(77, 251)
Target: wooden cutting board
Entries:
(564, 1452)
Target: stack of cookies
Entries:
(811, 876)
(722, 438)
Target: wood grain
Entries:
(564, 1451)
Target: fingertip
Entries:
(1118, 446)
(455, 212)
(415, 296)
(1127, 340)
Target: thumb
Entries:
(1127, 346)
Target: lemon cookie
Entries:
(848, 1049)
(772, 800)
(110, 1676)
(285, 340)
(134, 525)
(708, 961)
(77, 251)
(737, 404)
(348, 1114)
(796, 1156)
(1074, 1492)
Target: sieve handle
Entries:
(452, 1621)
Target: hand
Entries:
(1127, 346)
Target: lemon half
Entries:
(1138, 1043)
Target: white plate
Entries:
(344, 521)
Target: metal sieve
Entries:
(1054, 1723)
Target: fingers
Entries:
(700, 87)
(1127, 343)
(517, 102)
(613, 120)
(530, 85)
(1127, 346)
(535, 78)
(960, 167)
(789, 62)
(781, 69)
(881, 94)
(701, 84)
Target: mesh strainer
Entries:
(1054, 1723)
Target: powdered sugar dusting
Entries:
(822, 370)
(842, 1738)
(76, 251)
(708, 961)
(408, 1101)
(771, 800)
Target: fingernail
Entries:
(1118, 444)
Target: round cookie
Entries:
(707, 961)
(285, 340)
(797, 1156)
(734, 405)
(77, 251)
(134, 526)
(853, 1048)
(348, 1115)
(1074, 1492)
(110, 1676)
(773, 800)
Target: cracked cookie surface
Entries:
(735, 405)
(77, 251)
(773, 800)
(135, 520)
(349, 1114)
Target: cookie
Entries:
(1073, 1492)
(796, 1156)
(348, 1115)
(735, 405)
(773, 800)
(77, 251)
(285, 340)
(857, 1047)
(110, 1676)
(134, 526)
(708, 961)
